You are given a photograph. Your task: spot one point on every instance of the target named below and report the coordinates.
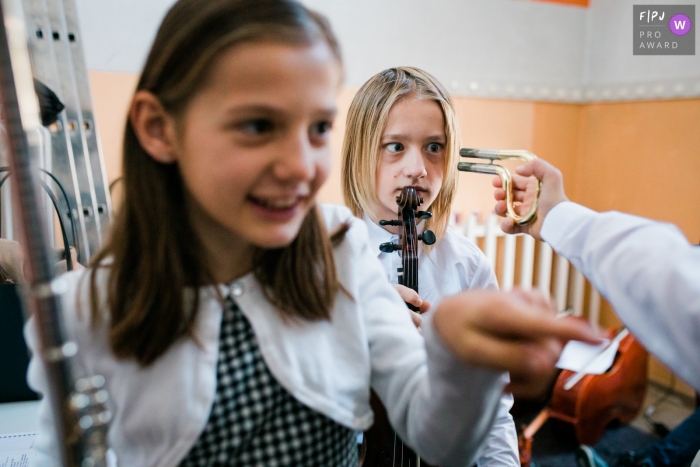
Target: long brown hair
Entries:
(366, 121)
(153, 256)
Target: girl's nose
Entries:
(414, 167)
(296, 159)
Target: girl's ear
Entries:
(154, 127)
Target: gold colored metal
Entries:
(494, 169)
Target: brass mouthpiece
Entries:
(506, 179)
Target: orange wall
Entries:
(650, 153)
(111, 94)
(489, 124)
(638, 157)
(583, 3)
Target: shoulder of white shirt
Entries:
(459, 245)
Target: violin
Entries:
(382, 447)
(595, 401)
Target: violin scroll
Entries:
(408, 200)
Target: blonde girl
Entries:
(234, 320)
(402, 130)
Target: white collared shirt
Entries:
(455, 264)
(648, 272)
(160, 410)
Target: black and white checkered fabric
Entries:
(255, 422)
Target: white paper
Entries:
(16, 441)
(16, 449)
(16, 458)
(596, 359)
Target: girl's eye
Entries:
(394, 147)
(434, 147)
(322, 128)
(256, 126)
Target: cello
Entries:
(382, 447)
(590, 403)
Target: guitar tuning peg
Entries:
(424, 214)
(389, 247)
(427, 237)
(394, 222)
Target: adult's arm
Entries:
(648, 272)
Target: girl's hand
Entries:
(517, 332)
(551, 194)
(412, 297)
(12, 260)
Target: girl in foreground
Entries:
(237, 323)
(402, 131)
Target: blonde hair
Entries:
(367, 119)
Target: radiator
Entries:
(520, 260)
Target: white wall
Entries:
(490, 48)
(613, 72)
(487, 42)
(118, 33)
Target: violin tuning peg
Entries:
(427, 237)
(389, 247)
(424, 214)
(394, 222)
(420, 200)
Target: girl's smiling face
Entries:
(412, 153)
(253, 147)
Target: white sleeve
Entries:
(458, 406)
(648, 272)
(501, 446)
(484, 276)
(439, 405)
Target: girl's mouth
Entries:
(419, 190)
(277, 208)
(275, 203)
